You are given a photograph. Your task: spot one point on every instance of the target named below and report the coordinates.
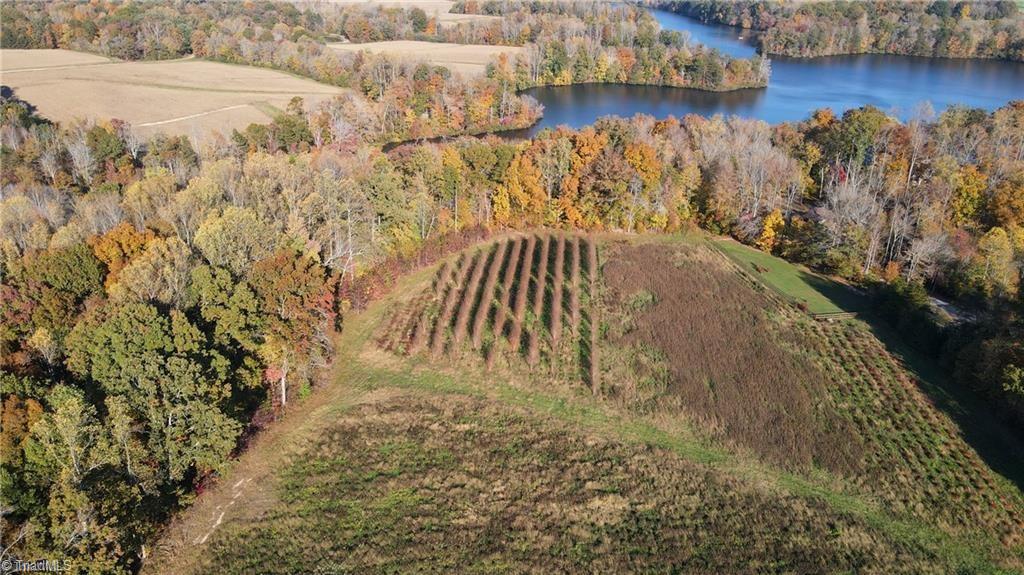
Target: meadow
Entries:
(180, 97)
(561, 402)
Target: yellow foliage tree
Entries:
(770, 229)
(970, 187)
(117, 247)
(526, 198)
(644, 160)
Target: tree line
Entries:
(934, 28)
(160, 298)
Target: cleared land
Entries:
(466, 59)
(181, 97)
(441, 9)
(21, 60)
(729, 433)
(690, 335)
(412, 484)
(819, 294)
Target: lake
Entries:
(895, 84)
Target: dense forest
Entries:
(159, 300)
(940, 28)
(584, 42)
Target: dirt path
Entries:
(190, 116)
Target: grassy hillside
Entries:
(552, 403)
(817, 294)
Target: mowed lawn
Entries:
(820, 294)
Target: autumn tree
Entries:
(297, 299)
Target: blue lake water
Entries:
(798, 86)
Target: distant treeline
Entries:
(990, 29)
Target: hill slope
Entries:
(561, 403)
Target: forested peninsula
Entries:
(938, 29)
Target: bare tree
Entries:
(82, 160)
(131, 139)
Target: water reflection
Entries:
(735, 42)
(896, 84)
(579, 105)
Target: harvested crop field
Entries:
(441, 9)
(24, 60)
(182, 97)
(466, 59)
(458, 485)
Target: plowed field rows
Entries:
(508, 302)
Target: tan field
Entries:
(25, 60)
(466, 59)
(439, 8)
(180, 97)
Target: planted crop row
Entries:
(916, 460)
(509, 301)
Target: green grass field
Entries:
(821, 295)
